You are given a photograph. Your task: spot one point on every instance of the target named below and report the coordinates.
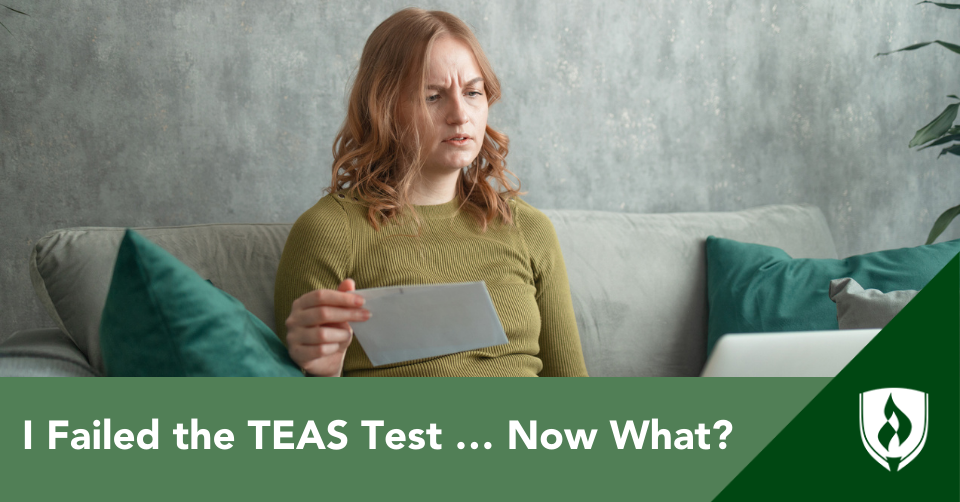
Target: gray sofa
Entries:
(638, 282)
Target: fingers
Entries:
(324, 358)
(347, 285)
(318, 329)
(303, 354)
(319, 335)
(329, 297)
(326, 306)
(322, 316)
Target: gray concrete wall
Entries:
(179, 112)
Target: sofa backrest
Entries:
(638, 281)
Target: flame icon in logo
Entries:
(893, 425)
(897, 426)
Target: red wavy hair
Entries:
(376, 159)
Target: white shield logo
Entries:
(893, 425)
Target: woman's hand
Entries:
(318, 329)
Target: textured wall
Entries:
(179, 112)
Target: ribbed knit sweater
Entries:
(521, 265)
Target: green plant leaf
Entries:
(942, 222)
(955, 149)
(948, 45)
(954, 130)
(944, 5)
(946, 139)
(15, 10)
(907, 48)
(938, 127)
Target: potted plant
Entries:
(941, 130)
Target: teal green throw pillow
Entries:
(162, 319)
(753, 288)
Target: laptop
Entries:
(787, 354)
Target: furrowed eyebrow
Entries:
(468, 84)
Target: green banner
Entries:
(314, 441)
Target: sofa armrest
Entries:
(42, 352)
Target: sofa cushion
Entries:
(162, 319)
(638, 281)
(42, 353)
(754, 288)
(71, 270)
(859, 308)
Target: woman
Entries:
(413, 202)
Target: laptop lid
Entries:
(787, 354)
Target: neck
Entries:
(433, 190)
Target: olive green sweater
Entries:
(521, 265)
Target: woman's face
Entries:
(456, 102)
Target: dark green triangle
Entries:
(820, 453)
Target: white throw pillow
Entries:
(859, 308)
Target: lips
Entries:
(458, 139)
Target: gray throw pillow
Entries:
(858, 308)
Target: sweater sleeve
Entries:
(317, 255)
(560, 349)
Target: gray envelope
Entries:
(414, 322)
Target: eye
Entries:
(432, 97)
(474, 93)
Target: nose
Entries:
(457, 111)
